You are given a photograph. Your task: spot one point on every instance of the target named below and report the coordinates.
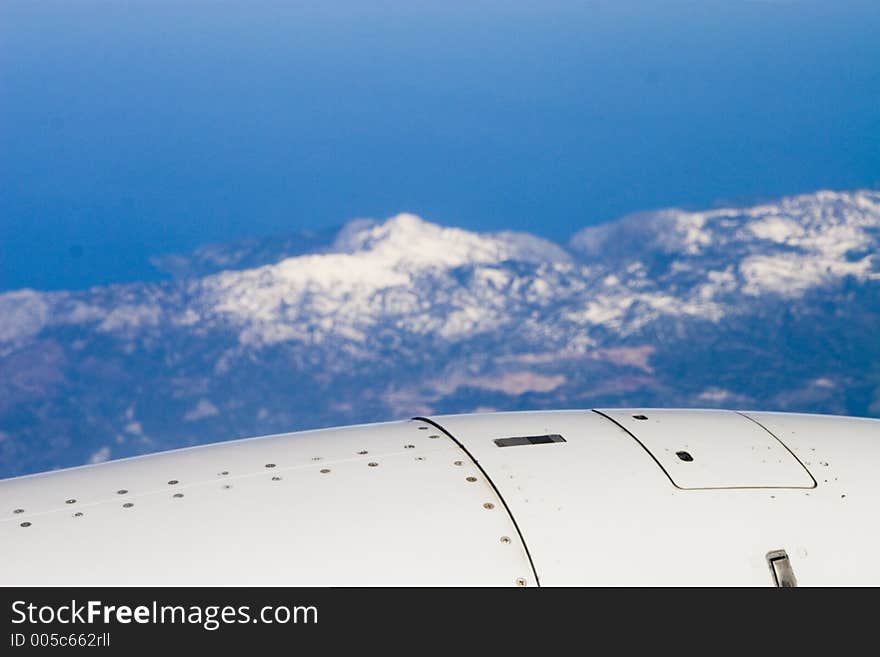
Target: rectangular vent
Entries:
(529, 440)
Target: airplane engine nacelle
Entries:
(596, 497)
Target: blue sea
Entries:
(131, 129)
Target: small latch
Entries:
(780, 568)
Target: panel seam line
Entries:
(494, 487)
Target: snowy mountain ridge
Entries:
(775, 305)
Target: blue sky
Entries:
(129, 129)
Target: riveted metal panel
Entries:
(713, 449)
(396, 503)
(597, 510)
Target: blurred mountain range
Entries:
(774, 307)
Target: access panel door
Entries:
(712, 449)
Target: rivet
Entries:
(471, 479)
(224, 473)
(317, 458)
(270, 465)
(25, 524)
(423, 428)
(127, 505)
(432, 436)
(324, 470)
(409, 446)
(505, 539)
(640, 417)
(420, 458)
(521, 581)
(173, 482)
(70, 501)
(19, 511)
(227, 486)
(121, 491)
(372, 464)
(178, 495)
(78, 514)
(363, 451)
(457, 463)
(488, 505)
(276, 478)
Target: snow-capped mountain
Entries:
(775, 306)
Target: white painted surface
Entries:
(597, 510)
(728, 449)
(412, 519)
(836, 526)
(594, 510)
